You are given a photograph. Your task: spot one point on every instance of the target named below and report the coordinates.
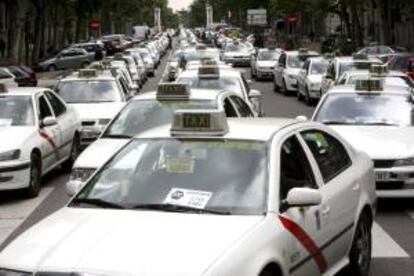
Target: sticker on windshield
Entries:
(180, 165)
(189, 198)
(5, 122)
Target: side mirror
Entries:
(255, 97)
(49, 121)
(73, 187)
(301, 197)
(302, 118)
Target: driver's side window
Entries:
(295, 169)
(44, 109)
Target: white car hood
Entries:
(120, 242)
(236, 54)
(98, 110)
(266, 63)
(380, 142)
(100, 151)
(14, 137)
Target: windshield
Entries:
(366, 110)
(223, 83)
(392, 80)
(88, 91)
(16, 111)
(297, 61)
(142, 115)
(222, 175)
(348, 66)
(318, 68)
(236, 48)
(268, 55)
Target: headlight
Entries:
(4, 272)
(9, 155)
(80, 174)
(404, 162)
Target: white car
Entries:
(207, 196)
(287, 70)
(38, 132)
(7, 78)
(310, 79)
(172, 69)
(221, 78)
(237, 53)
(148, 60)
(148, 111)
(98, 97)
(379, 122)
(339, 65)
(264, 63)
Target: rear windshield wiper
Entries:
(96, 202)
(178, 208)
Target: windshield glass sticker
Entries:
(180, 165)
(189, 198)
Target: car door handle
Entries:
(356, 187)
(325, 212)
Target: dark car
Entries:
(403, 63)
(24, 76)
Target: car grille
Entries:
(382, 164)
(88, 123)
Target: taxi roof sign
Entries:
(201, 47)
(88, 73)
(377, 69)
(303, 50)
(329, 55)
(360, 56)
(173, 91)
(209, 72)
(97, 66)
(199, 123)
(369, 85)
(208, 62)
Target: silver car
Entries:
(71, 58)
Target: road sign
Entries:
(257, 17)
(292, 18)
(95, 25)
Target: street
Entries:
(392, 232)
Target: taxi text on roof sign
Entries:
(173, 91)
(368, 85)
(88, 73)
(199, 122)
(377, 69)
(208, 62)
(209, 71)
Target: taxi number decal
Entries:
(196, 120)
(307, 242)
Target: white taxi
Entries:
(310, 79)
(376, 119)
(223, 78)
(287, 70)
(264, 62)
(148, 111)
(98, 97)
(207, 196)
(38, 132)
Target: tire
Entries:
(299, 95)
(268, 272)
(360, 253)
(35, 176)
(284, 90)
(51, 68)
(275, 87)
(74, 153)
(308, 99)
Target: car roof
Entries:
(258, 129)
(193, 72)
(350, 59)
(366, 72)
(295, 53)
(350, 89)
(102, 75)
(27, 91)
(195, 94)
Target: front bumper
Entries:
(395, 182)
(315, 94)
(14, 175)
(238, 60)
(264, 73)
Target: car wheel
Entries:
(74, 153)
(35, 176)
(268, 272)
(284, 89)
(308, 99)
(51, 68)
(360, 254)
(299, 95)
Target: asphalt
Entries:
(395, 217)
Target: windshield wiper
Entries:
(379, 124)
(338, 122)
(97, 202)
(117, 136)
(178, 208)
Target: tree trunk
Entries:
(16, 23)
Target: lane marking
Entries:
(13, 214)
(384, 246)
(307, 242)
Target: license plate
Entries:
(382, 176)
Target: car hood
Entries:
(103, 148)
(121, 242)
(292, 71)
(98, 110)
(380, 142)
(266, 63)
(14, 137)
(233, 54)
